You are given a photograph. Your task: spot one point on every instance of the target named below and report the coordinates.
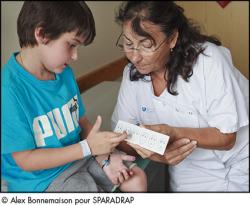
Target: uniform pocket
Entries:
(148, 115)
(185, 116)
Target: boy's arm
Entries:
(116, 171)
(38, 159)
(45, 158)
(86, 127)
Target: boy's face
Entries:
(58, 53)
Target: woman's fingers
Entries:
(144, 153)
(139, 150)
(137, 147)
(179, 158)
(178, 143)
(173, 157)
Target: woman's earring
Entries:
(171, 50)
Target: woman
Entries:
(182, 83)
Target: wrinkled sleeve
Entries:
(226, 92)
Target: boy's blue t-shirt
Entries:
(36, 114)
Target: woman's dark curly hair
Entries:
(170, 17)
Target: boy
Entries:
(43, 115)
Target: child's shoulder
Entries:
(8, 74)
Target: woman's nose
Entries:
(135, 57)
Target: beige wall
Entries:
(103, 49)
(9, 40)
(100, 52)
(230, 25)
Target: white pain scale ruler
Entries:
(143, 137)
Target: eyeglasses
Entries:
(146, 47)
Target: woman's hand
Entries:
(144, 153)
(164, 129)
(103, 142)
(174, 153)
(178, 151)
(116, 171)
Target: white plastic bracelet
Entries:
(85, 148)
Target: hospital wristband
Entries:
(85, 148)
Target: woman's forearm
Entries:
(208, 138)
(39, 159)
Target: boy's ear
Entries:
(174, 39)
(39, 35)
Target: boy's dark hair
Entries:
(55, 18)
(170, 17)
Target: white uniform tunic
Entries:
(215, 96)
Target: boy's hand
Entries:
(116, 171)
(103, 142)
